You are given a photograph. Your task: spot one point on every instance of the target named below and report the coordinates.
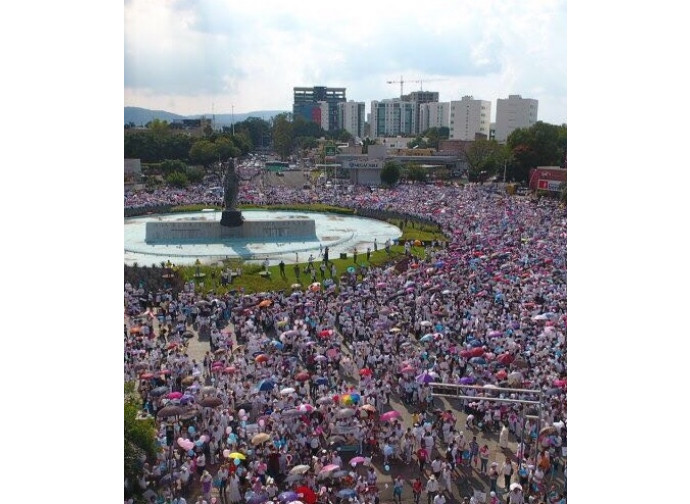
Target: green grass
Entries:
(251, 281)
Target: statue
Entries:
(231, 187)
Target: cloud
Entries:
(251, 54)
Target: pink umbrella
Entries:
(407, 369)
(305, 408)
(390, 415)
(357, 460)
(329, 468)
(174, 395)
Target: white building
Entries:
(324, 106)
(513, 113)
(351, 117)
(392, 118)
(469, 117)
(434, 115)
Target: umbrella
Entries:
(210, 402)
(146, 376)
(321, 381)
(346, 493)
(287, 390)
(265, 303)
(305, 408)
(291, 413)
(299, 469)
(479, 361)
(302, 376)
(261, 358)
(408, 369)
(426, 337)
(265, 385)
(390, 415)
(307, 494)
(207, 389)
(336, 439)
(262, 437)
(188, 335)
(229, 370)
(369, 407)
(425, 323)
(357, 460)
(351, 269)
(324, 400)
(365, 372)
(320, 358)
(426, 377)
(291, 478)
(169, 411)
(237, 455)
(339, 473)
(257, 498)
(174, 395)
(515, 485)
(329, 468)
(345, 413)
(467, 380)
(287, 496)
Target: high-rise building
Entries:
(513, 113)
(308, 103)
(419, 98)
(392, 118)
(434, 115)
(351, 117)
(469, 119)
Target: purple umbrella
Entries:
(467, 380)
(287, 496)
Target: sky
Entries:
(220, 56)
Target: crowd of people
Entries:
(293, 401)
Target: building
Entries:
(514, 113)
(393, 118)
(434, 115)
(318, 104)
(351, 118)
(419, 98)
(469, 119)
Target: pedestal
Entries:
(231, 218)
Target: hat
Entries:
(492, 494)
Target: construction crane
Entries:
(420, 82)
(401, 81)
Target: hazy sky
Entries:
(203, 56)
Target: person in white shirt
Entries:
(431, 489)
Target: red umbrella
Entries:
(326, 333)
(505, 358)
(146, 376)
(229, 370)
(502, 375)
(365, 372)
(302, 376)
(306, 494)
(261, 358)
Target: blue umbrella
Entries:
(346, 493)
(476, 343)
(478, 360)
(351, 269)
(265, 385)
(287, 496)
(277, 344)
(426, 337)
(321, 381)
(355, 398)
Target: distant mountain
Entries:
(140, 116)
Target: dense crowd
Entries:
(294, 395)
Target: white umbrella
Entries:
(515, 485)
(299, 469)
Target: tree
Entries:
(171, 166)
(177, 179)
(416, 173)
(140, 437)
(540, 145)
(390, 173)
(483, 159)
(282, 136)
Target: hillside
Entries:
(140, 116)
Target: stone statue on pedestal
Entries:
(231, 187)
